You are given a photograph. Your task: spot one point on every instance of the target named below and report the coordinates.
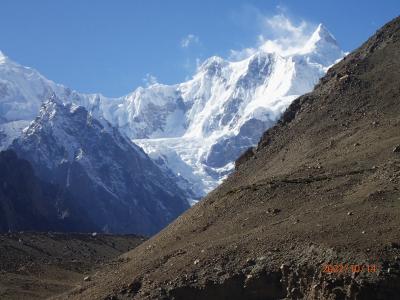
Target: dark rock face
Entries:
(114, 181)
(27, 203)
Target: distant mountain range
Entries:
(193, 131)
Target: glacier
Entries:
(196, 129)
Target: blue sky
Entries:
(114, 46)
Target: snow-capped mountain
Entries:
(22, 92)
(199, 127)
(118, 185)
(196, 129)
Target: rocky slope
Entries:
(28, 203)
(312, 213)
(115, 183)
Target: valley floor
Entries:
(42, 265)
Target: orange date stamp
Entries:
(346, 268)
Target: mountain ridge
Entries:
(115, 182)
(227, 104)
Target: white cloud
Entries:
(150, 80)
(241, 54)
(278, 33)
(189, 40)
(283, 35)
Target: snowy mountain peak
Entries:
(51, 107)
(117, 184)
(322, 33)
(213, 60)
(212, 65)
(322, 36)
(322, 47)
(51, 101)
(57, 117)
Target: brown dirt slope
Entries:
(40, 265)
(321, 188)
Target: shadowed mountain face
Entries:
(27, 203)
(113, 180)
(321, 188)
